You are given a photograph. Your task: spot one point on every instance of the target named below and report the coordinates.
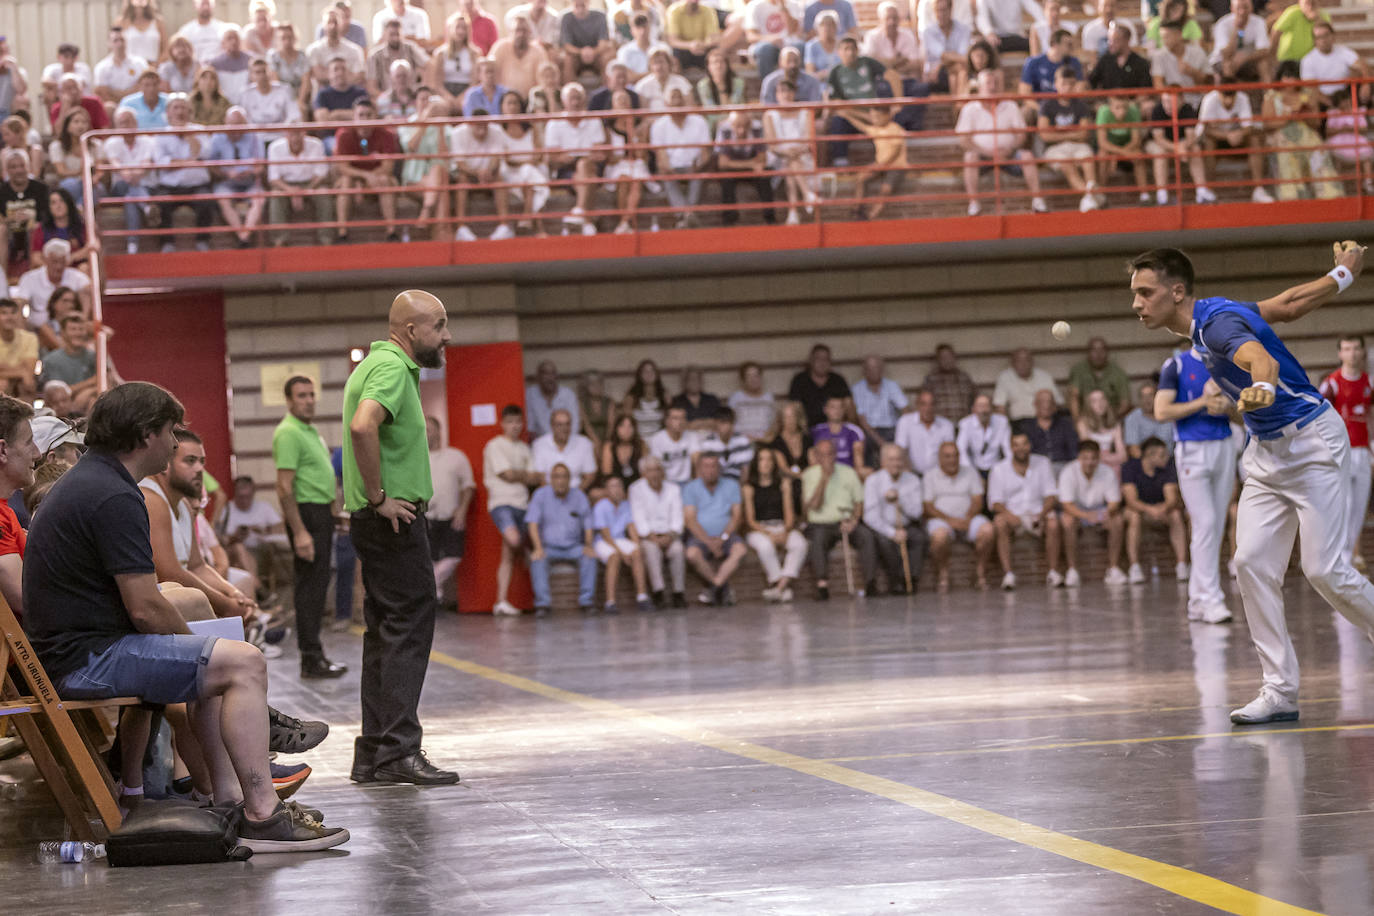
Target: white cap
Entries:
(50, 432)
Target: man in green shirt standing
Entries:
(305, 489)
(387, 488)
(833, 499)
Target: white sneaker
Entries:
(974, 208)
(1053, 578)
(589, 228)
(793, 218)
(132, 246)
(1038, 205)
(1261, 196)
(624, 228)
(1114, 576)
(785, 595)
(1196, 611)
(503, 231)
(771, 593)
(1204, 195)
(1145, 197)
(506, 608)
(1087, 203)
(1269, 706)
(1162, 197)
(860, 593)
(1072, 579)
(1135, 575)
(464, 234)
(1218, 613)
(1009, 582)
(1182, 571)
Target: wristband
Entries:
(1264, 386)
(1343, 277)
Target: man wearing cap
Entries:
(387, 487)
(57, 439)
(305, 489)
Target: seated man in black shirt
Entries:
(23, 205)
(1120, 67)
(102, 628)
(1051, 432)
(816, 384)
(1149, 488)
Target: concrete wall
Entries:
(984, 309)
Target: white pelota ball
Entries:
(1060, 330)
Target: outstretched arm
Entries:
(1292, 304)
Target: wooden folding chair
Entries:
(64, 738)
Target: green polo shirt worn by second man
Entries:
(298, 446)
(843, 492)
(392, 379)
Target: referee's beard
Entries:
(429, 358)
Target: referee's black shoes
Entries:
(414, 769)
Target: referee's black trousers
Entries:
(312, 579)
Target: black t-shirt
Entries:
(812, 397)
(1108, 74)
(707, 405)
(1150, 490)
(1165, 121)
(92, 526)
(1065, 112)
(22, 210)
(601, 99)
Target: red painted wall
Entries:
(177, 340)
(485, 374)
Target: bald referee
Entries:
(1295, 462)
(386, 486)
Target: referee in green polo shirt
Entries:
(305, 489)
(386, 486)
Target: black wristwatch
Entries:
(381, 499)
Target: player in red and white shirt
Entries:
(1349, 390)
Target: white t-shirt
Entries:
(877, 44)
(1016, 395)
(1022, 495)
(1214, 111)
(1334, 66)
(977, 121)
(766, 17)
(451, 473)
(952, 495)
(653, 95)
(35, 286)
(478, 155)
(1103, 490)
(1254, 37)
(693, 131)
(922, 443)
(576, 454)
(1096, 35)
(753, 413)
(119, 77)
(675, 455)
(563, 134)
(961, 12)
(285, 167)
(502, 454)
(1164, 64)
(259, 515)
(414, 23)
(204, 39)
(52, 73)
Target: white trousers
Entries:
(653, 563)
(1358, 488)
(768, 554)
(1296, 484)
(1206, 480)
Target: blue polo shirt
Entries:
(713, 506)
(562, 522)
(1185, 374)
(1039, 71)
(607, 514)
(93, 527)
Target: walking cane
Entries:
(903, 547)
(848, 564)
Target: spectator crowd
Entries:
(634, 107)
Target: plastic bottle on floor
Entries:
(69, 851)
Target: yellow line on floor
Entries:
(1180, 881)
(1014, 748)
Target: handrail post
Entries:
(93, 241)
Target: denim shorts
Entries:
(508, 517)
(155, 668)
(729, 542)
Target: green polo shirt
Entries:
(392, 379)
(298, 446)
(1114, 382)
(842, 494)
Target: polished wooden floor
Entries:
(1033, 752)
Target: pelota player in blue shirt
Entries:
(1294, 460)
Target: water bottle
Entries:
(69, 851)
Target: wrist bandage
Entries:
(1342, 276)
(1266, 386)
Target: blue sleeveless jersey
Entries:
(1185, 374)
(1220, 328)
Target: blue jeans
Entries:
(154, 668)
(766, 54)
(74, 187)
(586, 574)
(133, 213)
